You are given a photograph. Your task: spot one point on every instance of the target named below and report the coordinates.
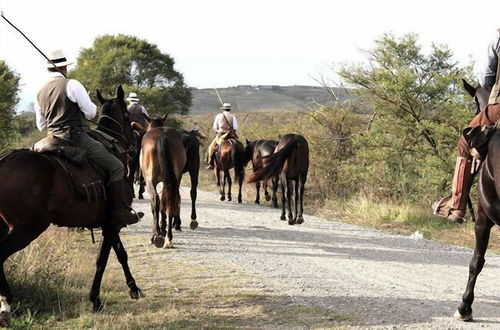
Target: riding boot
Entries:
(121, 214)
(453, 207)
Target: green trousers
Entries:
(99, 155)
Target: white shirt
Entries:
(142, 107)
(76, 93)
(219, 121)
(490, 69)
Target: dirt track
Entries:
(372, 278)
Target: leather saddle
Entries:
(86, 179)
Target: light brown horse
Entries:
(230, 154)
(291, 162)
(163, 157)
(36, 192)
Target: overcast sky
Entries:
(220, 43)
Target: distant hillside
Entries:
(260, 98)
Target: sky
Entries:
(222, 43)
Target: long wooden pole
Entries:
(220, 98)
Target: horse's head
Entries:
(114, 119)
(249, 150)
(479, 94)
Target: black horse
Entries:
(488, 208)
(291, 162)
(258, 152)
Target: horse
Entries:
(36, 192)
(290, 162)
(488, 206)
(259, 151)
(135, 174)
(163, 158)
(230, 154)
(192, 147)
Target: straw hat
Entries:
(132, 97)
(58, 58)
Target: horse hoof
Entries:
(222, 198)
(141, 197)
(97, 306)
(240, 201)
(268, 198)
(136, 294)
(178, 228)
(291, 222)
(463, 318)
(168, 245)
(4, 319)
(229, 198)
(158, 241)
(275, 205)
(283, 218)
(193, 225)
(300, 220)
(257, 202)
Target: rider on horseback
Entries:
(137, 111)
(62, 107)
(225, 126)
(453, 207)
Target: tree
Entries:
(137, 65)
(419, 115)
(9, 85)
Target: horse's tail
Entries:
(238, 161)
(167, 174)
(275, 162)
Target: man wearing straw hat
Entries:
(225, 126)
(63, 107)
(137, 111)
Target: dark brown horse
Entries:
(259, 152)
(36, 192)
(291, 162)
(192, 146)
(163, 159)
(488, 208)
(230, 154)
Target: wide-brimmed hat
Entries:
(226, 106)
(58, 58)
(132, 97)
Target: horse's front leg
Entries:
(266, 192)
(240, 184)
(141, 186)
(483, 227)
(109, 236)
(194, 194)
(121, 255)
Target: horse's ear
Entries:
(165, 117)
(138, 126)
(99, 97)
(471, 90)
(279, 137)
(120, 93)
(248, 142)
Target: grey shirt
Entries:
(490, 70)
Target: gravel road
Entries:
(378, 280)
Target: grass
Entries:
(51, 279)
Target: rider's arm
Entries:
(215, 126)
(78, 94)
(490, 70)
(235, 124)
(41, 124)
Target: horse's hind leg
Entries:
(141, 186)
(284, 191)
(240, 185)
(13, 242)
(266, 192)
(109, 236)
(227, 178)
(289, 191)
(257, 187)
(121, 255)
(156, 239)
(483, 227)
(220, 185)
(296, 200)
(300, 216)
